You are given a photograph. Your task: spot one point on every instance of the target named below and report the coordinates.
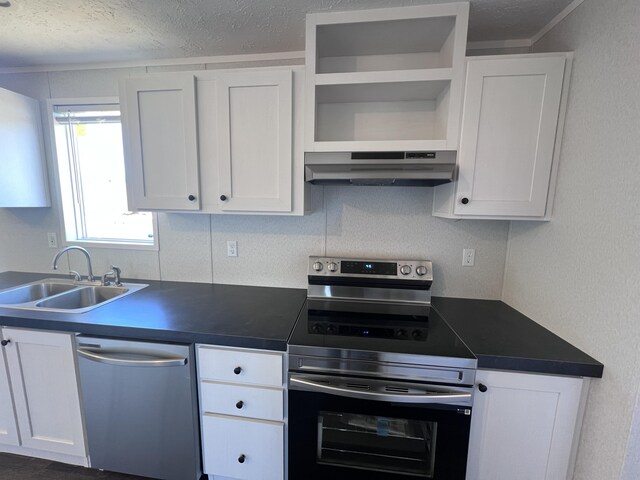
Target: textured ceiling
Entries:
(47, 32)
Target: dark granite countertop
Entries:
(263, 317)
(504, 339)
(231, 315)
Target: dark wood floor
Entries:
(16, 467)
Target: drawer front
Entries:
(243, 449)
(254, 402)
(238, 366)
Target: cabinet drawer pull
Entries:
(239, 405)
(242, 458)
(482, 387)
(237, 370)
(4, 343)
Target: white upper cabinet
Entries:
(525, 426)
(385, 79)
(255, 140)
(510, 137)
(23, 181)
(161, 140)
(235, 149)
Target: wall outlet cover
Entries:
(468, 257)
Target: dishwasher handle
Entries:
(111, 360)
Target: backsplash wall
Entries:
(380, 222)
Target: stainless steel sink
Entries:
(55, 295)
(33, 292)
(82, 298)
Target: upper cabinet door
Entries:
(161, 142)
(23, 182)
(509, 123)
(254, 128)
(44, 381)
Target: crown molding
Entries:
(221, 59)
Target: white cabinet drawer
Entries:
(253, 402)
(243, 449)
(239, 366)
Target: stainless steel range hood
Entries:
(380, 168)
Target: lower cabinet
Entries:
(40, 413)
(8, 421)
(525, 426)
(243, 448)
(242, 413)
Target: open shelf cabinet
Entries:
(385, 79)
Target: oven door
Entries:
(356, 428)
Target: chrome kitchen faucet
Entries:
(90, 276)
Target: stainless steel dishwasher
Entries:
(140, 407)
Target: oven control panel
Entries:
(353, 267)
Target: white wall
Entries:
(578, 275)
(360, 221)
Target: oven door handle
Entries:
(444, 397)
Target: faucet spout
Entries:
(54, 264)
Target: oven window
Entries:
(382, 444)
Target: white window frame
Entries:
(58, 191)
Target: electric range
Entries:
(380, 387)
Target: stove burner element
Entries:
(372, 331)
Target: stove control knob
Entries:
(315, 328)
(416, 334)
(405, 269)
(421, 270)
(331, 329)
(401, 333)
(317, 266)
(332, 267)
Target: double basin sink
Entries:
(60, 295)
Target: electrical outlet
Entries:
(468, 257)
(52, 239)
(232, 248)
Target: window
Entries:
(89, 151)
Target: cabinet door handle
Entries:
(191, 198)
(242, 458)
(482, 387)
(239, 405)
(237, 370)
(464, 200)
(4, 343)
(223, 197)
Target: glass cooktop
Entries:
(378, 327)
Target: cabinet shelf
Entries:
(396, 76)
(413, 43)
(382, 111)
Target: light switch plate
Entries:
(52, 240)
